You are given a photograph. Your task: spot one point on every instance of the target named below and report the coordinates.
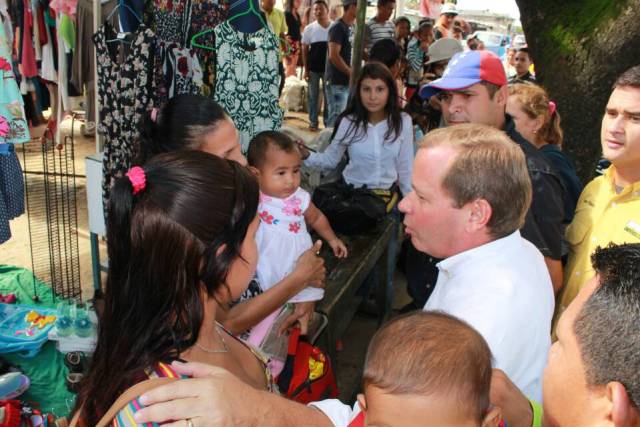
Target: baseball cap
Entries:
(466, 69)
(449, 8)
(443, 49)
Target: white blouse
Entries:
(373, 161)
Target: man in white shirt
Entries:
(471, 192)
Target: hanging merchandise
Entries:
(247, 79)
(13, 130)
(181, 67)
(125, 92)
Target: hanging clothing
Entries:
(11, 189)
(125, 93)
(14, 128)
(176, 23)
(247, 80)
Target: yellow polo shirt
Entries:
(602, 217)
(278, 24)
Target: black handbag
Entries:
(352, 210)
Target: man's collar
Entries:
(610, 176)
(489, 250)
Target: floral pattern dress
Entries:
(125, 93)
(180, 69)
(247, 80)
(281, 238)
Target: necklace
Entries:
(224, 349)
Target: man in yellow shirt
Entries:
(609, 207)
(278, 25)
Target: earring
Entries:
(535, 131)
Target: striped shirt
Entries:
(375, 31)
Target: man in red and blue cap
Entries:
(473, 89)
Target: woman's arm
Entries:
(214, 397)
(329, 159)
(404, 162)
(309, 270)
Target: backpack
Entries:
(307, 375)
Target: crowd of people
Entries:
(525, 285)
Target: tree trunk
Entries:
(579, 48)
(358, 43)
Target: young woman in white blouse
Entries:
(379, 140)
(374, 132)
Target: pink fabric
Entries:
(259, 331)
(67, 7)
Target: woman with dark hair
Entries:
(189, 122)
(181, 233)
(193, 122)
(294, 24)
(376, 134)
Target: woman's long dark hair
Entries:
(359, 115)
(162, 246)
(180, 125)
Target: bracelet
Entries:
(537, 413)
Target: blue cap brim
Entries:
(444, 83)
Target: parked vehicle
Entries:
(495, 42)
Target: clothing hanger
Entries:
(122, 37)
(115, 9)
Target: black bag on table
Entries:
(353, 210)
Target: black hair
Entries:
(169, 246)
(630, 78)
(323, 2)
(260, 143)
(524, 50)
(180, 125)
(385, 2)
(385, 51)
(359, 115)
(607, 326)
(401, 19)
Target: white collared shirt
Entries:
(503, 290)
(373, 161)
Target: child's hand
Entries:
(339, 248)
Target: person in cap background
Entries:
(379, 27)
(473, 89)
(338, 69)
(445, 21)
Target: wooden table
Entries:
(345, 276)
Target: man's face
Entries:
(431, 219)
(388, 410)
(268, 5)
(402, 30)
(385, 11)
(320, 11)
(473, 105)
(522, 63)
(566, 395)
(446, 19)
(620, 135)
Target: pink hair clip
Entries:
(552, 108)
(138, 179)
(154, 114)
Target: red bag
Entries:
(307, 375)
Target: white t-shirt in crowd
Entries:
(504, 291)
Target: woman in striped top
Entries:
(181, 244)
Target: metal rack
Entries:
(50, 187)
